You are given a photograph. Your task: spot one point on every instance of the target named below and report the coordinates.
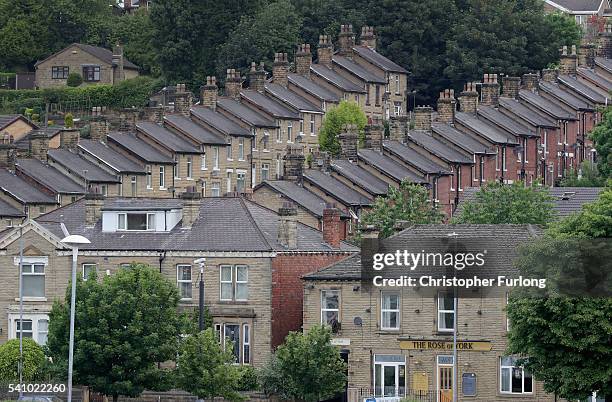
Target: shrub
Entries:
(248, 379)
(68, 120)
(74, 80)
(33, 360)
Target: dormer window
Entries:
(136, 221)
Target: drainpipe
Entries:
(162, 257)
(458, 170)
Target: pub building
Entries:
(398, 341)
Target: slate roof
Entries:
(245, 113)
(389, 166)
(301, 196)
(534, 118)
(604, 63)
(291, 98)
(269, 105)
(579, 5)
(484, 129)
(166, 138)
(360, 177)
(116, 160)
(9, 211)
(358, 70)
(140, 148)
(588, 92)
(592, 76)
(460, 139)
(566, 97)
(439, 148)
(413, 158)
(501, 120)
(336, 189)
(99, 52)
(23, 191)
(195, 130)
(313, 88)
(348, 269)
(336, 79)
(378, 59)
(78, 165)
(48, 176)
(8, 119)
(50, 132)
(139, 204)
(218, 121)
(547, 106)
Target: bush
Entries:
(33, 360)
(68, 120)
(248, 379)
(74, 80)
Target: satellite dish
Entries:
(358, 321)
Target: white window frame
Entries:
(504, 164)
(189, 167)
(229, 149)
(441, 312)
(162, 177)
(233, 282)
(265, 167)
(32, 272)
(238, 283)
(222, 282)
(180, 281)
(246, 343)
(452, 178)
(459, 181)
(149, 178)
(134, 185)
(241, 149)
(289, 131)
(395, 361)
(228, 180)
(203, 160)
(125, 221)
(503, 367)
(84, 269)
(384, 311)
(473, 169)
(13, 322)
(312, 125)
(241, 175)
(176, 167)
(266, 141)
(397, 84)
(545, 142)
(301, 127)
(497, 160)
(525, 144)
(216, 158)
(215, 189)
(324, 309)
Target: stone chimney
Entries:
(346, 40)
(511, 87)
(7, 156)
(69, 138)
(605, 42)
(321, 160)
(422, 118)
(586, 55)
(530, 82)
(183, 100)
(287, 227)
(280, 69)
(468, 98)
(374, 134)
(257, 77)
(208, 93)
(192, 201)
(93, 208)
(368, 38)
(447, 106)
(489, 91)
(325, 51)
(39, 145)
(348, 142)
(233, 83)
(332, 227)
(303, 60)
(550, 75)
(398, 128)
(293, 164)
(98, 127)
(568, 61)
(118, 72)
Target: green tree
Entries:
(602, 138)
(567, 341)
(206, 370)
(347, 112)
(306, 367)
(587, 176)
(33, 360)
(410, 202)
(74, 80)
(497, 203)
(125, 325)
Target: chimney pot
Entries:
(346, 40)
(568, 62)
(257, 77)
(233, 83)
(468, 98)
(183, 100)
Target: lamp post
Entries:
(73, 241)
(202, 262)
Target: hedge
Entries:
(133, 92)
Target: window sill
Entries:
(189, 179)
(177, 178)
(32, 299)
(216, 169)
(266, 151)
(162, 188)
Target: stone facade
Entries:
(489, 91)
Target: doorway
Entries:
(445, 378)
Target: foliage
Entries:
(497, 203)
(205, 369)
(248, 378)
(125, 325)
(586, 176)
(274, 28)
(602, 138)
(568, 340)
(305, 367)
(68, 120)
(74, 80)
(410, 202)
(347, 112)
(33, 360)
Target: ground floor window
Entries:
(514, 379)
(389, 375)
(236, 337)
(34, 326)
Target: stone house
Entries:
(13, 127)
(94, 64)
(580, 10)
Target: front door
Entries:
(389, 376)
(445, 378)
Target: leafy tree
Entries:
(588, 176)
(306, 367)
(602, 137)
(325, 17)
(125, 325)
(497, 203)
(33, 360)
(408, 203)
(567, 340)
(205, 369)
(347, 112)
(74, 80)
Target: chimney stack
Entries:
(69, 138)
(550, 75)
(332, 227)
(303, 60)
(586, 55)
(287, 228)
(93, 208)
(117, 60)
(39, 145)
(489, 91)
(422, 118)
(293, 164)
(468, 98)
(98, 127)
(568, 61)
(348, 142)
(374, 134)
(398, 128)
(325, 51)
(368, 38)
(182, 100)
(280, 69)
(530, 82)
(7, 156)
(233, 83)
(511, 87)
(257, 77)
(447, 106)
(208, 93)
(192, 201)
(346, 40)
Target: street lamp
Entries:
(202, 262)
(73, 241)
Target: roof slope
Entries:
(140, 148)
(484, 129)
(219, 122)
(590, 93)
(566, 97)
(547, 106)
(48, 176)
(335, 188)
(81, 167)
(503, 121)
(269, 105)
(378, 59)
(21, 190)
(195, 130)
(534, 118)
(439, 148)
(9, 211)
(460, 139)
(413, 158)
(336, 79)
(389, 166)
(313, 88)
(116, 160)
(358, 70)
(291, 98)
(577, 5)
(99, 52)
(245, 113)
(165, 137)
(361, 177)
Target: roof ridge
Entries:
(252, 219)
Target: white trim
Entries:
(32, 260)
(155, 253)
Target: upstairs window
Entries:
(136, 221)
(203, 160)
(446, 312)
(91, 73)
(397, 84)
(289, 132)
(189, 167)
(183, 279)
(162, 177)
(330, 307)
(229, 149)
(33, 280)
(390, 311)
(241, 149)
(234, 281)
(60, 72)
(216, 158)
(312, 125)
